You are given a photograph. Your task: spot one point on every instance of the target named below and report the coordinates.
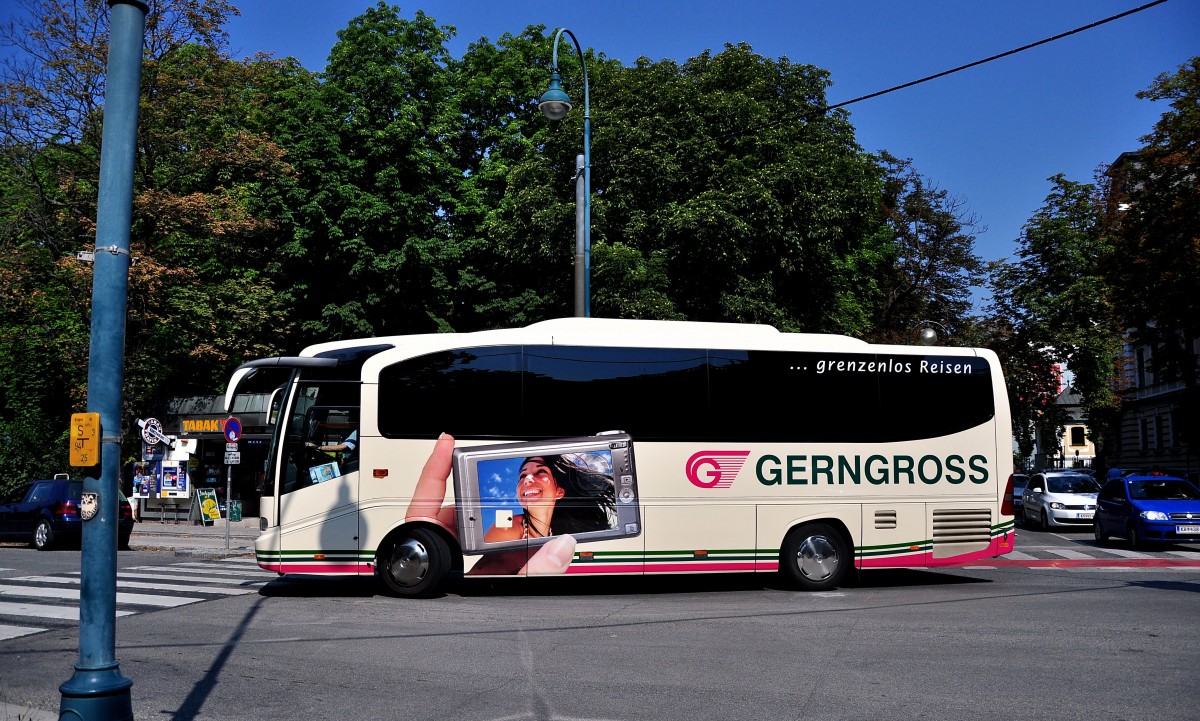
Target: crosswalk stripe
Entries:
(1068, 553)
(1018, 556)
(224, 591)
(17, 631)
(1127, 554)
(212, 569)
(193, 578)
(37, 610)
(136, 599)
(1189, 555)
(189, 577)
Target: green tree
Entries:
(1061, 309)
(722, 190)
(934, 265)
(201, 292)
(1154, 266)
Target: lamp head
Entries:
(928, 336)
(555, 103)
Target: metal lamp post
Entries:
(555, 104)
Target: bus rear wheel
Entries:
(814, 557)
(413, 564)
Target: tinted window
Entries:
(1113, 491)
(473, 392)
(1071, 484)
(676, 393)
(847, 397)
(15, 495)
(650, 393)
(40, 493)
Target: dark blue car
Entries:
(45, 513)
(1148, 509)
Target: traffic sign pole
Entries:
(228, 501)
(233, 431)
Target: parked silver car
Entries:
(1057, 499)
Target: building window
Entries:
(1078, 436)
(1143, 434)
(1141, 367)
(1159, 439)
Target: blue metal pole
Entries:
(97, 690)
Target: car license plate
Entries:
(1187, 529)
(1084, 515)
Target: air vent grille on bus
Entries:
(885, 519)
(960, 530)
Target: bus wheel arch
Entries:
(414, 561)
(816, 556)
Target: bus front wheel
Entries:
(814, 557)
(414, 563)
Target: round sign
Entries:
(152, 432)
(233, 429)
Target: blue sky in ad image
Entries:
(990, 134)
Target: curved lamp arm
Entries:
(555, 104)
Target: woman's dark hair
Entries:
(589, 497)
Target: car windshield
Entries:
(1020, 482)
(1163, 491)
(1071, 484)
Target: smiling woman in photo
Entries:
(557, 497)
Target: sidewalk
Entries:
(186, 538)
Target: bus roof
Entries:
(610, 331)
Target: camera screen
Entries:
(525, 493)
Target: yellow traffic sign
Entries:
(85, 439)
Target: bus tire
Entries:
(814, 557)
(413, 563)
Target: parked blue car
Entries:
(1148, 509)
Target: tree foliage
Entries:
(933, 266)
(1155, 268)
(1060, 307)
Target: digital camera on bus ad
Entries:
(521, 495)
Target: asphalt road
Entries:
(1000, 642)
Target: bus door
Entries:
(317, 528)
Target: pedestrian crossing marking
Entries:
(7, 632)
(189, 577)
(1127, 554)
(224, 591)
(135, 599)
(214, 569)
(37, 610)
(1067, 553)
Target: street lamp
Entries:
(930, 332)
(555, 104)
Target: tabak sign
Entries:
(202, 425)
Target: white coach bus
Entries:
(685, 447)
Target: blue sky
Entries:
(990, 135)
